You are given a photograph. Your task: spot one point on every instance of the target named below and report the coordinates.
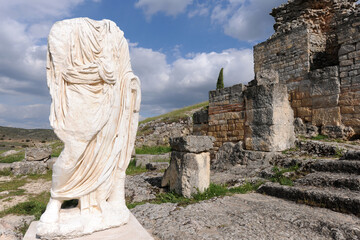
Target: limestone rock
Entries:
(157, 166)
(267, 76)
(188, 173)
(192, 144)
(25, 167)
(269, 118)
(143, 159)
(37, 154)
(338, 131)
(228, 155)
(8, 153)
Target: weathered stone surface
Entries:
(11, 225)
(193, 144)
(326, 116)
(37, 154)
(157, 166)
(142, 187)
(143, 159)
(25, 167)
(267, 76)
(248, 216)
(188, 173)
(269, 118)
(201, 116)
(338, 131)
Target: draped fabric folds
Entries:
(94, 110)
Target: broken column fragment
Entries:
(189, 170)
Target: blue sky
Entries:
(177, 49)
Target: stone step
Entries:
(335, 165)
(326, 179)
(332, 198)
(351, 155)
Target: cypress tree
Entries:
(220, 81)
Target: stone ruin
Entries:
(311, 63)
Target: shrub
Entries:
(220, 81)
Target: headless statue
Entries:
(94, 111)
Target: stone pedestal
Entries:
(132, 230)
(189, 170)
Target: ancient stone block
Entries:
(326, 116)
(344, 49)
(188, 173)
(269, 122)
(194, 144)
(201, 116)
(325, 101)
(37, 154)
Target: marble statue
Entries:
(94, 111)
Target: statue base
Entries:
(131, 230)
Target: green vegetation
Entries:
(339, 152)
(290, 150)
(280, 178)
(220, 81)
(155, 150)
(133, 169)
(214, 190)
(34, 206)
(6, 172)
(319, 137)
(33, 134)
(175, 115)
(13, 157)
(56, 147)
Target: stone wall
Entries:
(226, 115)
(349, 56)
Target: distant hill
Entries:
(9, 133)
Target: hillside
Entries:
(9, 133)
(152, 131)
(157, 130)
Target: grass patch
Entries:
(6, 172)
(47, 176)
(280, 178)
(13, 157)
(319, 137)
(290, 150)
(133, 169)
(12, 185)
(34, 206)
(175, 115)
(155, 150)
(214, 190)
(56, 147)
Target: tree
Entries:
(220, 81)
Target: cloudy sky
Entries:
(177, 49)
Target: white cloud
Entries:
(246, 20)
(23, 89)
(167, 86)
(169, 7)
(200, 10)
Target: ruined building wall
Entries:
(316, 52)
(349, 57)
(226, 115)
